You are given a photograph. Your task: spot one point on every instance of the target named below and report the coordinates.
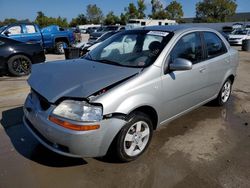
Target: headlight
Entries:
(78, 111)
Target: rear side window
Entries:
(188, 47)
(30, 29)
(215, 46)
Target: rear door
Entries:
(218, 61)
(31, 34)
(183, 90)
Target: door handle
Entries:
(227, 61)
(202, 69)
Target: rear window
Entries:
(215, 46)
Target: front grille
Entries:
(44, 103)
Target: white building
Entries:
(149, 22)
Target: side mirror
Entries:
(180, 64)
(6, 33)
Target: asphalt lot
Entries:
(209, 147)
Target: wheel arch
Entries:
(20, 53)
(149, 111)
(62, 39)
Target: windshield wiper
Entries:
(108, 62)
(88, 56)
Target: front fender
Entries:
(136, 101)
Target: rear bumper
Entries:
(38, 57)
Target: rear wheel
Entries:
(19, 65)
(134, 137)
(224, 94)
(60, 47)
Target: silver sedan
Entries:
(111, 100)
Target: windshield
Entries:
(105, 36)
(110, 28)
(2, 29)
(240, 32)
(132, 48)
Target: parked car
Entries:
(238, 36)
(91, 30)
(17, 57)
(93, 36)
(51, 37)
(114, 98)
(92, 44)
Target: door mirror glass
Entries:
(180, 64)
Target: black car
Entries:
(93, 36)
(86, 48)
(17, 57)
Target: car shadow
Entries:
(26, 145)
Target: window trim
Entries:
(206, 49)
(15, 26)
(199, 34)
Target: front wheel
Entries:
(134, 137)
(224, 94)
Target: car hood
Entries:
(97, 34)
(75, 78)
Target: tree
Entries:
(111, 19)
(131, 11)
(123, 19)
(79, 20)
(94, 14)
(174, 10)
(215, 10)
(157, 10)
(41, 19)
(44, 21)
(141, 8)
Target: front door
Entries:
(185, 89)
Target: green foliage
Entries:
(79, 20)
(44, 21)
(123, 19)
(94, 14)
(174, 10)
(158, 11)
(215, 10)
(141, 8)
(131, 11)
(111, 19)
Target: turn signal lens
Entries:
(71, 126)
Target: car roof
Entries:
(175, 28)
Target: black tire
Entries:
(222, 98)
(121, 145)
(59, 47)
(19, 65)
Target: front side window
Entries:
(215, 46)
(15, 30)
(188, 47)
(132, 49)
